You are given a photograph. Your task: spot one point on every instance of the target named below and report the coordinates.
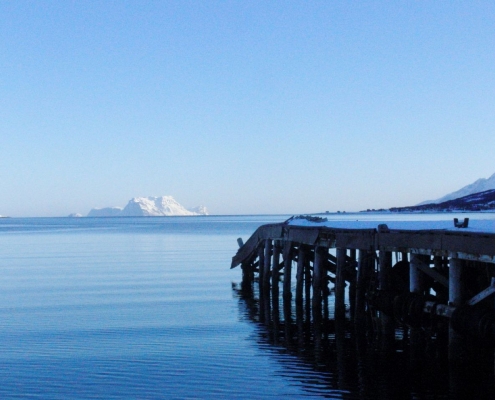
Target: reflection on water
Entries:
(334, 359)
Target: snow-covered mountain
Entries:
(148, 207)
(479, 201)
(480, 185)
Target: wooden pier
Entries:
(382, 280)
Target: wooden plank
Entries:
(472, 243)
(364, 239)
(303, 235)
(396, 240)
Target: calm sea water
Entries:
(147, 308)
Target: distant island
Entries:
(147, 207)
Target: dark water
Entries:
(147, 308)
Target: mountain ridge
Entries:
(162, 206)
(480, 201)
(478, 186)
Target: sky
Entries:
(246, 107)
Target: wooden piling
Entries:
(387, 321)
(352, 284)
(417, 285)
(247, 277)
(275, 276)
(267, 262)
(340, 284)
(261, 263)
(318, 272)
(307, 286)
(301, 260)
(360, 314)
(287, 255)
(456, 297)
(416, 278)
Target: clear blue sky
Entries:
(243, 106)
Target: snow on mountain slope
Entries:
(148, 207)
(154, 207)
(478, 186)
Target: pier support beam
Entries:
(247, 277)
(275, 276)
(362, 276)
(307, 285)
(456, 298)
(301, 260)
(267, 265)
(287, 255)
(417, 285)
(387, 321)
(266, 281)
(340, 284)
(318, 275)
(352, 284)
(416, 278)
(261, 269)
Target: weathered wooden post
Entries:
(318, 273)
(417, 285)
(352, 284)
(416, 278)
(287, 255)
(361, 283)
(266, 279)
(456, 297)
(387, 321)
(261, 267)
(342, 356)
(247, 275)
(287, 295)
(340, 284)
(266, 269)
(275, 276)
(301, 260)
(307, 284)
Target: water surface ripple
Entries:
(128, 308)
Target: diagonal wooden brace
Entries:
(432, 273)
(482, 295)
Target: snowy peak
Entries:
(480, 185)
(148, 207)
(154, 207)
